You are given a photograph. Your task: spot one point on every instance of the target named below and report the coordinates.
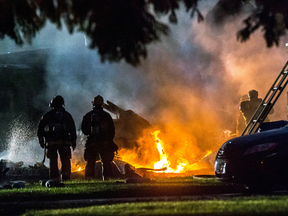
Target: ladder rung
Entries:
(285, 72)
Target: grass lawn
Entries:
(82, 189)
(274, 205)
(35, 199)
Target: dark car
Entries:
(258, 161)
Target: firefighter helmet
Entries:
(253, 94)
(98, 100)
(57, 101)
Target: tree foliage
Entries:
(271, 16)
(121, 29)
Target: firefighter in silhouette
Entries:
(57, 133)
(249, 107)
(99, 127)
(240, 124)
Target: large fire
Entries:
(159, 158)
(172, 152)
(182, 163)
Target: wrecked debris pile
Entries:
(16, 171)
(128, 126)
(121, 170)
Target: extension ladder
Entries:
(268, 102)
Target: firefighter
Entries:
(57, 133)
(99, 127)
(249, 107)
(241, 124)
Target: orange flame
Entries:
(208, 153)
(228, 134)
(164, 162)
(76, 168)
(163, 157)
(172, 150)
(182, 163)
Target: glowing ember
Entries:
(208, 153)
(76, 168)
(228, 134)
(182, 164)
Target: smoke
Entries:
(189, 86)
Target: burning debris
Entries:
(137, 138)
(144, 153)
(128, 126)
(141, 145)
(121, 170)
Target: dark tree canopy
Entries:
(121, 29)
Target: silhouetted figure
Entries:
(249, 107)
(240, 120)
(57, 133)
(98, 125)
